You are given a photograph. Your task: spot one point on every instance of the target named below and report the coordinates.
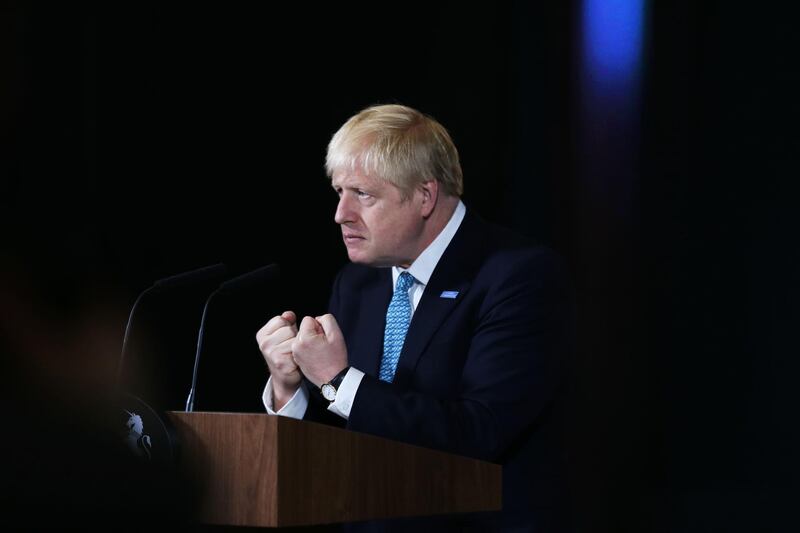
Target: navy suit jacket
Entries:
(479, 374)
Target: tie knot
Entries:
(404, 282)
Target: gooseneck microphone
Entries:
(246, 281)
(192, 277)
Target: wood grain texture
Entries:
(234, 460)
(259, 470)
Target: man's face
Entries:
(378, 227)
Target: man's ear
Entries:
(430, 195)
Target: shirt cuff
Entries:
(294, 408)
(346, 393)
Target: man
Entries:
(444, 331)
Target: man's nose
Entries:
(344, 210)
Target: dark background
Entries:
(143, 140)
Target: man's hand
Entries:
(319, 349)
(275, 341)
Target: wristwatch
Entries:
(329, 389)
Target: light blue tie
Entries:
(398, 317)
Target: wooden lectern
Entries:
(273, 471)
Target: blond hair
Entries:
(397, 144)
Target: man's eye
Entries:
(362, 194)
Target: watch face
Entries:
(328, 392)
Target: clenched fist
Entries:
(275, 342)
(319, 349)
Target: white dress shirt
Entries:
(422, 269)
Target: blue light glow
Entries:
(612, 43)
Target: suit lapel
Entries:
(430, 314)
(453, 273)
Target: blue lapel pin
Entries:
(449, 294)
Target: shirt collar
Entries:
(423, 266)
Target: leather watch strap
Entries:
(338, 378)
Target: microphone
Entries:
(208, 273)
(200, 275)
(249, 280)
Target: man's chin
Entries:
(357, 258)
(363, 259)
